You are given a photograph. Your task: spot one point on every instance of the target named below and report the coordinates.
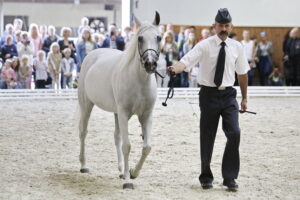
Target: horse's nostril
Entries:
(155, 64)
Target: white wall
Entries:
(278, 13)
(60, 14)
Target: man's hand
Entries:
(243, 105)
(176, 69)
(171, 71)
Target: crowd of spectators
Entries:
(40, 58)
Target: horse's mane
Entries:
(130, 51)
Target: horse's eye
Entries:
(158, 38)
(140, 38)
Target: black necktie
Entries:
(220, 65)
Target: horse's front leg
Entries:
(118, 143)
(146, 123)
(123, 118)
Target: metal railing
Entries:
(185, 93)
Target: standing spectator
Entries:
(162, 70)
(8, 76)
(52, 37)
(25, 47)
(264, 52)
(181, 42)
(25, 73)
(65, 42)
(53, 61)
(18, 24)
(18, 35)
(84, 45)
(84, 24)
(169, 49)
(204, 34)
(9, 49)
(9, 31)
(288, 73)
(249, 48)
(35, 38)
(67, 66)
(98, 38)
(161, 29)
(188, 45)
(43, 31)
(293, 55)
(171, 29)
(113, 40)
(41, 69)
(16, 66)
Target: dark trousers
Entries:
(213, 104)
(40, 84)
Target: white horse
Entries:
(122, 83)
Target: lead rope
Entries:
(171, 89)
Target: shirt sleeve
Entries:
(242, 65)
(193, 57)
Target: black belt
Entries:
(216, 88)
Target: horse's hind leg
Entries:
(85, 113)
(146, 122)
(118, 143)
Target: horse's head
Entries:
(149, 44)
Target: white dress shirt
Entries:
(206, 53)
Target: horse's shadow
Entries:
(84, 184)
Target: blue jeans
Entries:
(264, 68)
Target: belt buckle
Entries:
(221, 88)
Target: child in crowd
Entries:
(25, 73)
(54, 60)
(8, 76)
(275, 77)
(67, 66)
(40, 66)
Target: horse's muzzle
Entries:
(150, 66)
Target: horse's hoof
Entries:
(128, 186)
(84, 170)
(121, 176)
(131, 176)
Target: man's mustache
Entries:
(223, 33)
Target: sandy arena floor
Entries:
(39, 148)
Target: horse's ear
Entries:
(157, 19)
(136, 20)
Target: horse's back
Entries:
(96, 76)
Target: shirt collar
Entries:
(218, 40)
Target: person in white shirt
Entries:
(220, 57)
(249, 47)
(41, 69)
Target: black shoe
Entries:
(207, 185)
(231, 184)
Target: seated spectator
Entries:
(25, 73)
(53, 62)
(275, 78)
(51, 37)
(67, 66)
(85, 45)
(41, 68)
(25, 47)
(9, 49)
(18, 36)
(8, 76)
